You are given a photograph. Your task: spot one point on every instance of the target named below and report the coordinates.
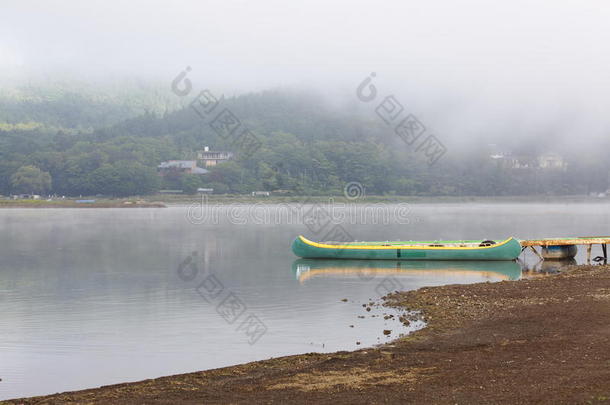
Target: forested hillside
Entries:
(89, 146)
(76, 106)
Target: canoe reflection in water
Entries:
(306, 269)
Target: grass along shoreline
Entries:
(74, 204)
(162, 200)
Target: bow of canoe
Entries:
(508, 249)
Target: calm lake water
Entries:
(92, 297)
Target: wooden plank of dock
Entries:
(591, 240)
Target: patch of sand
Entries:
(356, 378)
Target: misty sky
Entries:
(470, 67)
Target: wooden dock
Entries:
(588, 241)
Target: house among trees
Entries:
(211, 158)
(508, 161)
(552, 161)
(180, 166)
(548, 160)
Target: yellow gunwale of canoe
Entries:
(422, 247)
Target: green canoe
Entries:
(508, 249)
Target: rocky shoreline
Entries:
(542, 340)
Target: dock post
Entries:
(537, 254)
(588, 254)
(605, 250)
